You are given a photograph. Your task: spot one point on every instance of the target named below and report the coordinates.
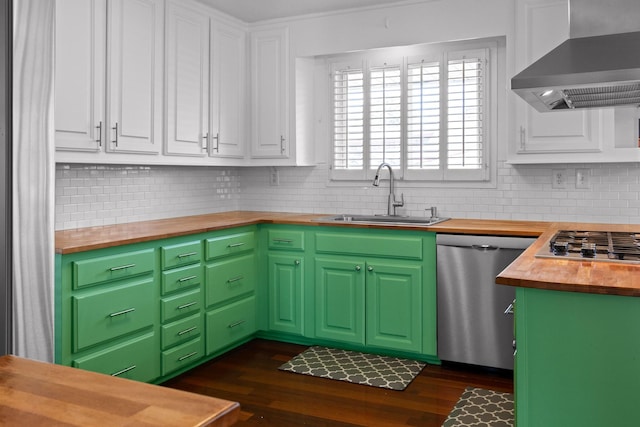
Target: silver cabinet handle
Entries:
(296, 262)
(205, 141)
(186, 331)
(217, 146)
(234, 324)
(186, 356)
(235, 245)
(122, 267)
(235, 279)
(120, 313)
(358, 268)
(510, 307)
(370, 268)
(115, 141)
(99, 127)
(188, 254)
(125, 370)
(282, 150)
(186, 279)
(277, 240)
(183, 306)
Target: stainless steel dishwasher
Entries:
(472, 325)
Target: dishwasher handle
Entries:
(485, 247)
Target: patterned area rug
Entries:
(478, 407)
(360, 368)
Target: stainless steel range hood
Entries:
(599, 66)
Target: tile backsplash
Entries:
(89, 195)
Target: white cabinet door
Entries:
(79, 75)
(541, 26)
(134, 75)
(269, 93)
(187, 97)
(228, 93)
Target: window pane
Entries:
(465, 114)
(423, 116)
(348, 119)
(385, 116)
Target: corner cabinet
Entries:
(597, 135)
(119, 110)
(270, 93)
(577, 359)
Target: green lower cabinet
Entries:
(578, 359)
(286, 296)
(136, 359)
(230, 324)
(394, 305)
(340, 299)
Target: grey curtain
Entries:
(33, 179)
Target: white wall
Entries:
(86, 195)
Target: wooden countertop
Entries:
(526, 271)
(36, 393)
(573, 275)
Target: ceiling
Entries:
(260, 10)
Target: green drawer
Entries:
(181, 254)
(181, 305)
(182, 356)
(181, 278)
(181, 331)
(101, 316)
(288, 240)
(230, 278)
(229, 324)
(104, 269)
(135, 360)
(396, 246)
(218, 247)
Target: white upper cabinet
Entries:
(270, 93)
(79, 77)
(541, 25)
(135, 75)
(228, 98)
(108, 80)
(187, 111)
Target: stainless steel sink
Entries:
(382, 219)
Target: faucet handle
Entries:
(434, 211)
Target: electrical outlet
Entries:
(582, 178)
(274, 177)
(559, 179)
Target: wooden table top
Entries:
(526, 271)
(43, 394)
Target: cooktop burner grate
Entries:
(594, 245)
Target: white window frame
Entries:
(441, 52)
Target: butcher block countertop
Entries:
(526, 271)
(36, 393)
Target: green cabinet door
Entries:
(394, 305)
(340, 299)
(285, 293)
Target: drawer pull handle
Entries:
(120, 313)
(234, 324)
(235, 279)
(235, 245)
(188, 254)
(122, 267)
(283, 240)
(186, 279)
(510, 307)
(183, 306)
(186, 356)
(125, 370)
(186, 331)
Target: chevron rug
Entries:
(478, 407)
(354, 367)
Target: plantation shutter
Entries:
(385, 116)
(467, 105)
(348, 119)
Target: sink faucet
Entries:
(392, 203)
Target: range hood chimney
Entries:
(599, 66)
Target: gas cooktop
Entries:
(613, 246)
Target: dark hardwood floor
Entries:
(269, 397)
